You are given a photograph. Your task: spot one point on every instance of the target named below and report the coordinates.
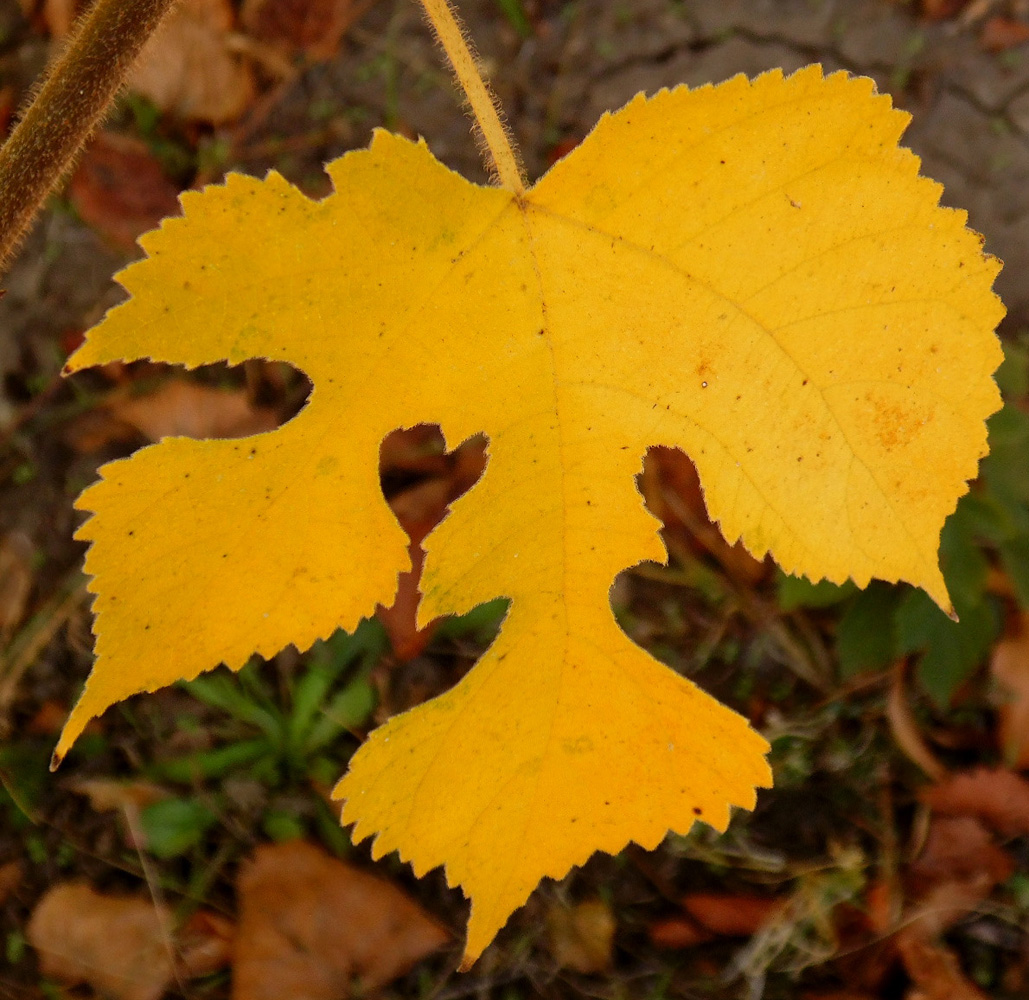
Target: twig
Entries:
(75, 94)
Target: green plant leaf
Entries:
(175, 826)
(865, 635)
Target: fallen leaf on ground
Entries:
(310, 925)
(189, 67)
(313, 27)
(958, 868)
(11, 873)
(1009, 666)
(673, 493)
(205, 944)
(729, 914)
(941, 10)
(119, 945)
(726, 270)
(108, 795)
(1001, 33)
(711, 915)
(934, 969)
(60, 15)
(419, 509)
(179, 407)
(997, 796)
(121, 190)
(16, 578)
(581, 936)
(958, 849)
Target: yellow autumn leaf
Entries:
(753, 272)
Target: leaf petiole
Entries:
(491, 130)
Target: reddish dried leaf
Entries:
(941, 10)
(310, 924)
(673, 493)
(731, 915)
(934, 969)
(581, 937)
(121, 190)
(881, 906)
(959, 849)
(417, 451)
(48, 719)
(678, 932)
(712, 914)
(118, 945)
(1010, 668)
(189, 67)
(10, 878)
(400, 619)
(998, 797)
(205, 943)
(60, 15)
(1002, 33)
(313, 27)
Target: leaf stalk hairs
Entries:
(491, 130)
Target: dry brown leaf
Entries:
(108, 795)
(10, 878)
(934, 969)
(16, 579)
(1002, 33)
(121, 190)
(731, 915)
(120, 946)
(957, 870)
(678, 932)
(416, 452)
(673, 493)
(941, 10)
(181, 407)
(309, 925)
(581, 936)
(713, 914)
(60, 15)
(313, 27)
(178, 407)
(958, 849)
(1010, 668)
(1000, 798)
(205, 944)
(189, 66)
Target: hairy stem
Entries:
(76, 92)
(483, 102)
